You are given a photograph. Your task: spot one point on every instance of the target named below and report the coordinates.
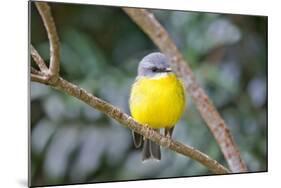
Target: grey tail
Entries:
(150, 150)
(137, 139)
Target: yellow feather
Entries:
(157, 101)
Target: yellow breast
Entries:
(157, 101)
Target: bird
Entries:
(157, 100)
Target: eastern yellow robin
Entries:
(157, 100)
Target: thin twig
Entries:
(149, 24)
(34, 71)
(49, 24)
(39, 61)
(39, 78)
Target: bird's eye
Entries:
(154, 69)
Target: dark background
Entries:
(100, 51)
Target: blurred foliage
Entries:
(100, 51)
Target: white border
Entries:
(13, 144)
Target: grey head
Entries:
(153, 64)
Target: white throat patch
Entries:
(160, 75)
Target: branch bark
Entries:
(51, 77)
(39, 78)
(149, 24)
(45, 13)
(39, 61)
(34, 71)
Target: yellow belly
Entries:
(157, 101)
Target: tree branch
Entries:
(45, 13)
(34, 71)
(149, 24)
(39, 61)
(111, 111)
(39, 78)
(127, 121)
